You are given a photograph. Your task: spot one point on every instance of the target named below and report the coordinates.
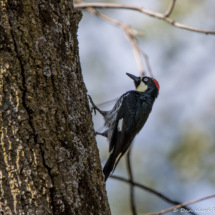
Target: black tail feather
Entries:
(109, 166)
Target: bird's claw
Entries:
(93, 108)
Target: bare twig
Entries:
(142, 10)
(170, 9)
(150, 190)
(137, 57)
(179, 206)
(130, 175)
(137, 52)
(130, 33)
(115, 22)
(147, 63)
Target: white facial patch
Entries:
(120, 122)
(142, 87)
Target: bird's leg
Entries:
(94, 107)
(104, 134)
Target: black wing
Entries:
(122, 136)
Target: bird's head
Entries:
(145, 84)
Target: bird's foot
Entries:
(104, 134)
(93, 108)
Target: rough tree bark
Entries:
(49, 161)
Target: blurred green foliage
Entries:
(193, 157)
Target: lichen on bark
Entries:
(49, 161)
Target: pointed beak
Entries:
(136, 79)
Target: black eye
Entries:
(145, 79)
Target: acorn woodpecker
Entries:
(127, 118)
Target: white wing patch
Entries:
(142, 87)
(112, 151)
(118, 158)
(120, 123)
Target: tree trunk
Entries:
(49, 162)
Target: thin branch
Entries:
(147, 62)
(129, 33)
(170, 9)
(149, 190)
(137, 52)
(130, 175)
(179, 206)
(142, 10)
(138, 58)
(115, 22)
